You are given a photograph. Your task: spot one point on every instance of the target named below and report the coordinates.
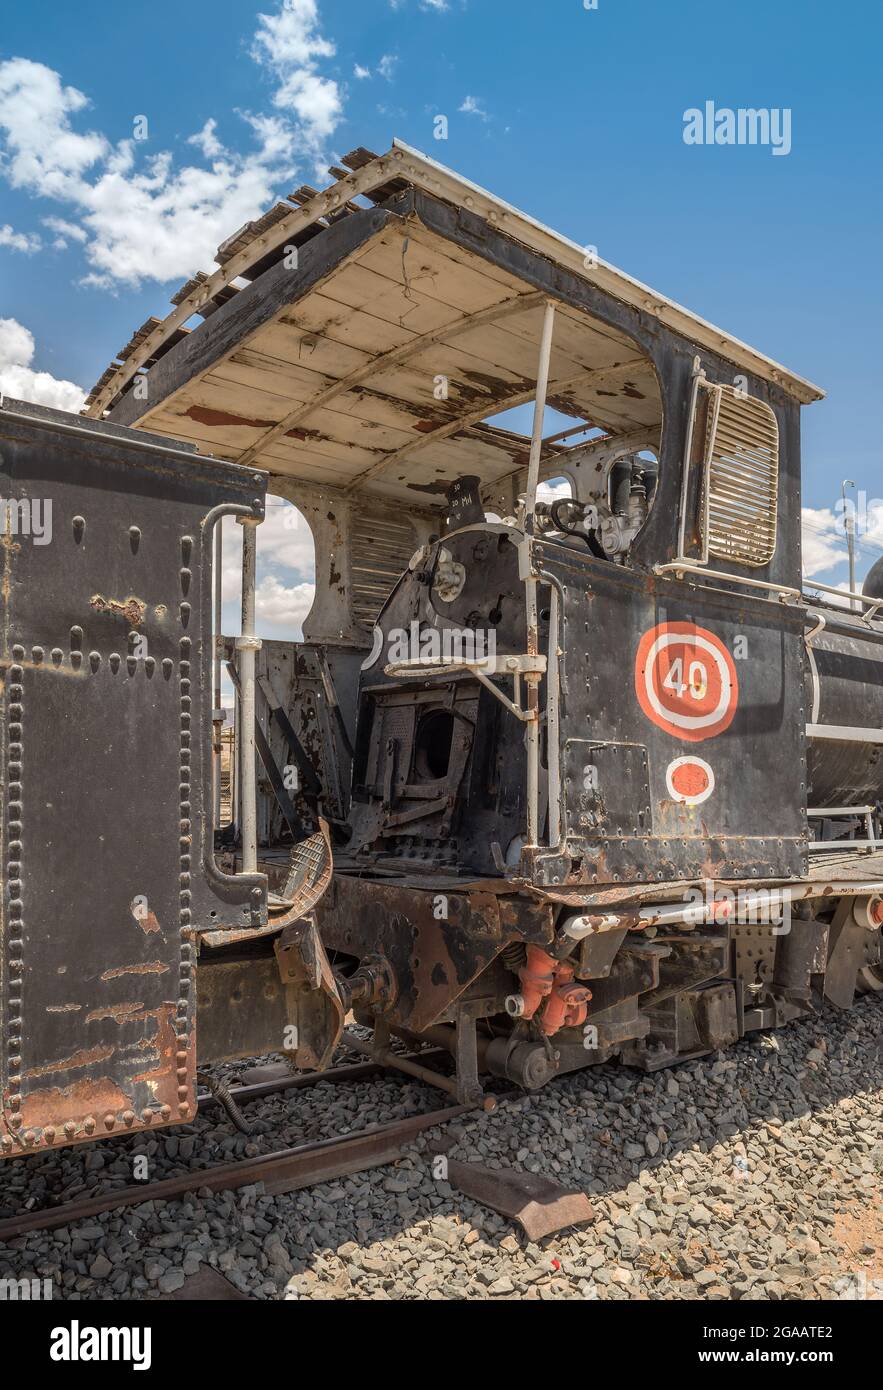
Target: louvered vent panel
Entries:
(741, 481)
(380, 551)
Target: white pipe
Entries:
(539, 408)
(217, 725)
(842, 593)
(740, 902)
(697, 376)
(844, 733)
(681, 566)
(532, 680)
(248, 645)
(552, 731)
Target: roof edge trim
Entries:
(436, 178)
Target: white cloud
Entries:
(19, 241)
(64, 232)
(285, 572)
(870, 530)
(360, 72)
(471, 107)
(823, 540)
(43, 154)
(143, 217)
(17, 377)
(553, 489)
(438, 6)
(387, 65)
(282, 606)
(206, 140)
(284, 544)
(290, 44)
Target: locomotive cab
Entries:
(568, 704)
(581, 771)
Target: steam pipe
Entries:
(532, 679)
(217, 721)
(386, 1058)
(248, 645)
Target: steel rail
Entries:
(285, 1170)
(348, 1071)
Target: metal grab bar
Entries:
(514, 666)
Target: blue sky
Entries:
(573, 114)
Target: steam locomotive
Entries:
(569, 766)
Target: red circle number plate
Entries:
(686, 681)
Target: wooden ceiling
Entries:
(379, 378)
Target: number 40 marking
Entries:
(696, 682)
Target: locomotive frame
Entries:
(541, 858)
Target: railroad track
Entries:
(284, 1170)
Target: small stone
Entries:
(502, 1285)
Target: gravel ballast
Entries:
(750, 1174)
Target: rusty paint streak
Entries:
(72, 1063)
(150, 967)
(56, 1106)
(120, 1013)
(204, 415)
(132, 608)
(147, 921)
(162, 1079)
(217, 419)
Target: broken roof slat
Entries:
(358, 158)
(138, 337)
(302, 195)
(251, 232)
(189, 286)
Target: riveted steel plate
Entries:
(105, 652)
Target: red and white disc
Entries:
(686, 681)
(690, 780)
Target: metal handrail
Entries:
(515, 666)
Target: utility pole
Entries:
(849, 527)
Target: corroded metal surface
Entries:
(433, 960)
(539, 1205)
(106, 714)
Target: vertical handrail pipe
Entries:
(532, 678)
(248, 645)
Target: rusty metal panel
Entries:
(608, 789)
(105, 700)
(433, 946)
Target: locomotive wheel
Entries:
(869, 979)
